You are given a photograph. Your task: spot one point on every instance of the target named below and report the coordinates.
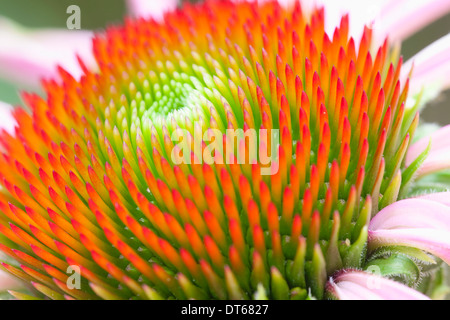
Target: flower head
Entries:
(89, 177)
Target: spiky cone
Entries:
(88, 179)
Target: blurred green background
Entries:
(96, 14)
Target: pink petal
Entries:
(149, 8)
(431, 66)
(28, 56)
(419, 223)
(359, 285)
(439, 156)
(8, 282)
(401, 18)
(442, 197)
(7, 121)
(394, 19)
(431, 240)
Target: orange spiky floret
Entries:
(88, 178)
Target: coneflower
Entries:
(89, 178)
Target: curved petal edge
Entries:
(360, 285)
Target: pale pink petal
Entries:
(419, 223)
(437, 161)
(436, 242)
(7, 121)
(360, 285)
(27, 56)
(396, 20)
(442, 197)
(412, 213)
(151, 8)
(8, 282)
(401, 18)
(439, 155)
(431, 66)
